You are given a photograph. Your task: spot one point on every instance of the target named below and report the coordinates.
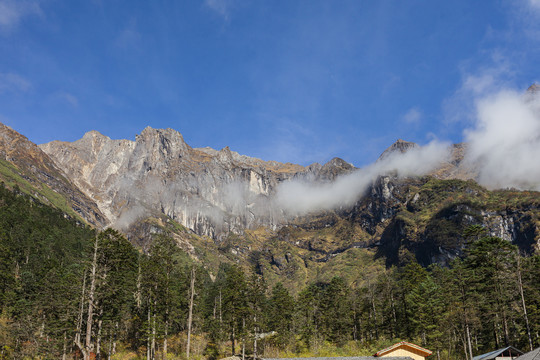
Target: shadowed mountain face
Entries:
(208, 191)
(24, 164)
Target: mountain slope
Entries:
(24, 164)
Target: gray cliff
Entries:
(208, 191)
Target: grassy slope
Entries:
(12, 177)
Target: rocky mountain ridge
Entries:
(213, 192)
(220, 192)
(209, 191)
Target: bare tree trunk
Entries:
(243, 339)
(190, 317)
(255, 338)
(466, 322)
(138, 293)
(469, 339)
(450, 346)
(154, 332)
(394, 315)
(166, 334)
(42, 327)
(80, 315)
(64, 352)
(372, 298)
(91, 294)
(148, 347)
(98, 341)
(520, 283)
(232, 339)
(109, 352)
(506, 331)
(355, 328)
(114, 338)
(465, 349)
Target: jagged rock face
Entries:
(211, 192)
(36, 167)
(396, 207)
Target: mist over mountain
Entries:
(214, 192)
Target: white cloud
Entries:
(298, 197)
(413, 116)
(221, 7)
(504, 144)
(495, 74)
(13, 11)
(11, 82)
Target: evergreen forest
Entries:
(70, 292)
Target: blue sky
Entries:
(286, 80)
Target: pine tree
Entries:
(280, 314)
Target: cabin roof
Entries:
(495, 353)
(531, 355)
(403, 344)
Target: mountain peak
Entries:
(339, 163)
(168, 133)
(400, 145)
(334, 168)
(168, 142)
(92, 134)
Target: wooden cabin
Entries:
(404, 349)
(400, 351)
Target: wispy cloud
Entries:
(129, 37)
(11, 82)
(221, 7)
(483, 80)
(66, 98)
(535, 4)
(412, 116)
(299, 197)
(13, 11)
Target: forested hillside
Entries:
(66, 290)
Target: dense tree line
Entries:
(67, 291)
